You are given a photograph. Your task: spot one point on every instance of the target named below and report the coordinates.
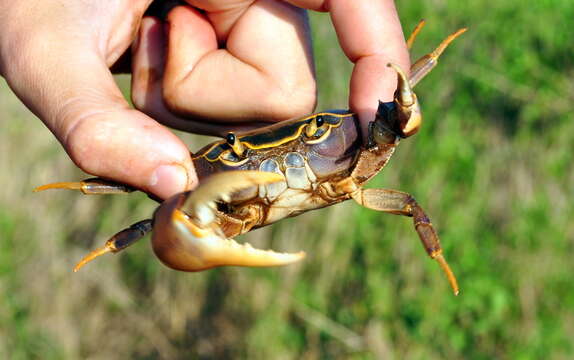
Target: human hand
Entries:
(55, 55)
(264, 72)
(56, 59)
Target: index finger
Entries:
(370, 34)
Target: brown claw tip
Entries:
(397, 69)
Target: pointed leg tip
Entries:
(59, 185)
(447, 271)
(79, 265)
(456, 34)
(92, 255)
(415, 32)
(44, 187)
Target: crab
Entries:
(256, 178)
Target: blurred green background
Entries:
(492, 166)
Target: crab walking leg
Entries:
(426, 63)
(93, 186)
(187, 234)
(415, 32)
(400, 203)
(119, 241)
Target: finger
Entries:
(75, 95)
(371, 36)
(147, 76)
(254, 78)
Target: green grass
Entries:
(492, 166)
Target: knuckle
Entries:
(173, 95)
(81, 145)
(90, 139)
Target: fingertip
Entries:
(170, 179)
(190, 36)
(131, 148)
(371, 36)
(373, 81)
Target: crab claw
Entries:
(187, 235)
(408, 109)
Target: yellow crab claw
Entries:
(187, 235)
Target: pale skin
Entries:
(231, 66)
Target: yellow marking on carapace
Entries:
(280, 142)
(229, 162)
(320, 138)
(298, 133)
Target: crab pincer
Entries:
(187, 234)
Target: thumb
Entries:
(78, 100)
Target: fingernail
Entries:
(168, 180)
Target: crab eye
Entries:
(235, 144)
(316, 128)
(230, 138)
